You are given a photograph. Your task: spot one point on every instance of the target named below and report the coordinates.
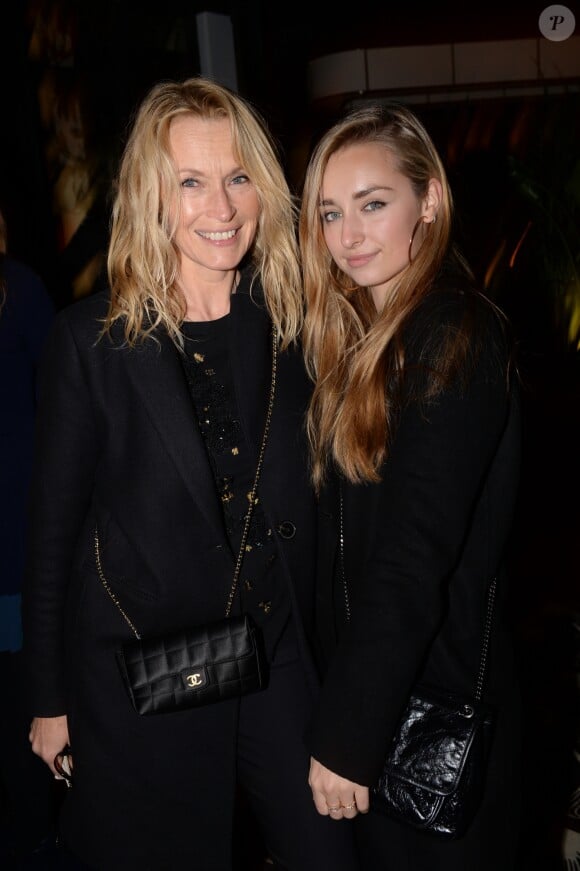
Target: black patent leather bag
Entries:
(434, 774)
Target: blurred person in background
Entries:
(26, 313)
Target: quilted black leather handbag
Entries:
(434, 773)
(203, 664)
(193, 667)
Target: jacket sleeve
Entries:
(430, 485)
(63, 473)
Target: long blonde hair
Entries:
(356, 355)
(142, 259)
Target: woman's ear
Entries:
(432, 200)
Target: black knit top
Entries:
(207, 368)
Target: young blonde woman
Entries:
(415, 445)
(153, 402)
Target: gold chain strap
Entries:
(252, 499)
(106, 585)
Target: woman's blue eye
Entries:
(374, 205)
(329, 217)
(240, 179)
(188, 182)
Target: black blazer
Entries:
(118, 446)
(421, 548)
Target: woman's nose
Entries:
(352, 234)
(221, 205)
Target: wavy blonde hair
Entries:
(356, 355)
(142, 260)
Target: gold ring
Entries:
(349, 807)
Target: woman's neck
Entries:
(208, 301)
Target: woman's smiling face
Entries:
(220, 207)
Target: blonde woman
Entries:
(414, 437)
(153, 403)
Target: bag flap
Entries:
(431, 746)
(147, 660)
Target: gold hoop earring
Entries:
(413, 234)
(412, 239)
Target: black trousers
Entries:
(273, 764)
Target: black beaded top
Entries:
(207, 368)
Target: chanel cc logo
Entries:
(194, 680)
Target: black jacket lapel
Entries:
(157, 374)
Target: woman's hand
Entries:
(335, 796)
(48, 737)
